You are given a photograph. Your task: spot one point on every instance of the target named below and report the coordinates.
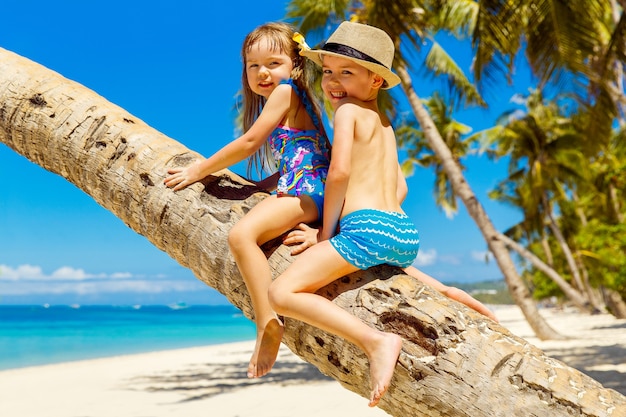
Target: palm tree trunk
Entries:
(579, 209)
(515, 284)
(615, 203)
(571, 262)
(546, 249)
(454, 361)
(619, 67)
(614, 302)
(570, 292)
(567, 252)
(595, 295)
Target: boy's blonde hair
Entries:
(280, 38)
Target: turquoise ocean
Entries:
(40, 335)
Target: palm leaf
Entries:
(496, 40)
(440, 63)
(313, 16)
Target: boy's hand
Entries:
(180, 178)
(302, 238)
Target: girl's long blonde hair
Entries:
(280, 38)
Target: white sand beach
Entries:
(211, 381)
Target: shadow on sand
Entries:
(201, 381)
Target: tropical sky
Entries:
(176, 65)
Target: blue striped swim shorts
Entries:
(374, 237)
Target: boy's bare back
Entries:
(373, 157)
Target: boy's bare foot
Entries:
(266, 349)
(383, 360)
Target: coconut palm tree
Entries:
(532, 229)
(415, 22)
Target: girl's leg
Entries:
(267, 220)
(293, 295)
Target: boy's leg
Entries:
(293, 294)
(267, 220)
(451, 292)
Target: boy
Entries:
(361, 196)
(304, 236)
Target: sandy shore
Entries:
(211, 381)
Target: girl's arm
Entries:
(273, 113)
(339, 170)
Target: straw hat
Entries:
(366, 45)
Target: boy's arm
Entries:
(239, 149)
(339, 170)
(402, 188)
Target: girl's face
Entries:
(266, 67)
(343, 77)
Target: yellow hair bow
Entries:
(299, 39)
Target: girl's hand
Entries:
(180, 178)
(302, 238)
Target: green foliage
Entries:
(603, 247)
(541, 286)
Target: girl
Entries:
(281, 122)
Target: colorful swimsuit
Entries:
(373, 237)
(302, 157)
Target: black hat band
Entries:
(350, 52)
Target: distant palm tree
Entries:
(544, 151)
(531, 229)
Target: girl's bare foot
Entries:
(383, 358)
(266, 349)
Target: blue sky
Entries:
(175, 65)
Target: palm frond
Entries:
(312, 16)
(560, 42)
(457, 17)
(440, 63)
(496, 40)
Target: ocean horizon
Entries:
(34, 335)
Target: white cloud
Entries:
(21, 272)
(450, 259)
(425, 258)
(517, 99)
(121, 275)
(482, 256)
(99, 287)
(64, 273)
(27, 280)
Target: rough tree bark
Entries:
(454, 361)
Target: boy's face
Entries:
(342, 77)
(266, 67)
